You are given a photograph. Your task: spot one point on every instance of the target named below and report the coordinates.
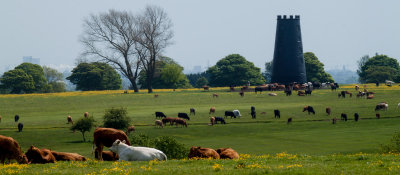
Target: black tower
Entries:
(288, 64)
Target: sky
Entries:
(339, 32)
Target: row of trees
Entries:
(378, 69)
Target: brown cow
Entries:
(241, 93)
(215, 95)
(130, 129)
(69, 120)
(36, 155)
(203, 153)
(227, 153)
(378, 116)
(86, 114)
(179, 121)
(63, 156)
(108, 156)
(206, 88)
(168, 119)
(212, 110)
(159, 123)
(106, 137)
(212, 120)
(155, 95)
(9, 149)
(328, 110)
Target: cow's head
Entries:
(23, 159)
(115, 146)
(305, 108)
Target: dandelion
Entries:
(217, 167)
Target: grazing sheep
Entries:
(159, 123)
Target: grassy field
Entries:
(44, 118)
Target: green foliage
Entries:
(315, 69)
(54, 79)
(234, 69)
(194, 77)
(37, 74)
(378, 69)
(268, 71)
(202, 81)
(83, 125)
(142, 140)
(116, 118)
(393, 146)
(17, 81)
(171, 147)
(168, 75)
(95, 76)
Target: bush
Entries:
(116, 118)
(170, 146)
(83, 125)
(394, 144)
(142, 140)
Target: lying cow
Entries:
(131, 153)
(227, 153)
(184, 116)
(160, 115)
(9, 149)
(108, 156)
(309, 109)
(63, 156)
(36, 155)
(200, 152)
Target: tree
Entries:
(111, 38)
(234, 69)
(116, 118)
(361, 63)
(378, 69)
(83, 125)
(17, 81)
(315, 69)
(154, 35)
(194, 77)
(202, 81)
(95, 76)
(268, 71)
(54, 79)
(37, 74)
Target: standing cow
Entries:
(253, 112)
(16, 118)
(236, 113)
(106, 137)
(159, 123)
(20, 126)
(277, 113)
(356, 116)
(192, 111)
(309, 109)
(212, 110)
(160, 115)
(328, 110)
(343, 116)
(183, 115)
(229, 113)
(69, 120)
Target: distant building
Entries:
(29, 59)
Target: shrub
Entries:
(171, 147)
(83, 125)
(393, 146)
(142, 140)
(116, 118)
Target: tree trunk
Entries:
(83, 135)
(134, 85)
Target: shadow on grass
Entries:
(79, 141)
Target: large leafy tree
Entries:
(378, 69)
(234, 69)
(95, 76)
(37, 74)
(17, 81)
(315, 69)
(54, 79)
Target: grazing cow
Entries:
(333, 87)
(130, 129)
(200, 152)
(343, 94)
(168, 119)
(212, 110)
(69, 120)
(289, 120)
(20, 126)
(357, 87)
(258, 89)
(182, 122)
(241, 93)
(9, 149)
(155, 95)
(370, 96)
(356, 116)
(63, 156)
(334, 119)
(220, 119)
(160, 115)
(106, 137)
(339, 95)
(229, 113)
(309, 109)
(381, 106)
(253, 112)
(16, 118)
(36, 155)
(183, 115)
(272, 94)
(378, 116)
(288, 92)
(159, 123)
(328, 110)
(108, 156)
(301, 93)
(343, 116)
(212, 121)
(277, 113)
(215, 95)
(236, 113)
(131, 153)
(308, 91)
(86, 114)
(192, 111)
(227, 153)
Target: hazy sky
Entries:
(339, 32)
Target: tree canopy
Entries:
(268, 71)
(17, 81)
(95, 76)
(315, 69)
(378, 69)
(37, 74)
(235, 70)
(54, 79)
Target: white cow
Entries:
(236, 113)
(131, 153)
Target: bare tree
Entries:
(110, 37)
(153, 36)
